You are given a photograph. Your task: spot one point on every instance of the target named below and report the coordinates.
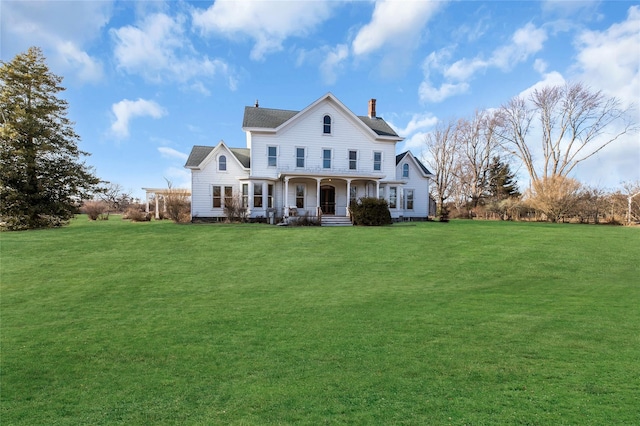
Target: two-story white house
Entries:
(315, 161)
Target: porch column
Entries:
(146, 210)
(286, 197)
(348, 196)
(157, 211)
(377, 189)
(318, 180)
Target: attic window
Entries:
(222, 163)
(405, 170)
(327, 125)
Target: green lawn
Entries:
(460, 323)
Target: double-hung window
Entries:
(245, 195)
(393, 197)
(408, 199)
(270, 196)
(300, 196)
(272, 156)
(217, 196)
(326, 158)
(300, 157)
(377, 161)
(228, 195)
(257, 195)
(353, 160)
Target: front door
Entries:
(328, 199)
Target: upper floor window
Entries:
(222, 163)
(326, 158)
(272, 156)
(326, 128)
(299, 157)
(405, 170)
(353, 160)
(377, 161)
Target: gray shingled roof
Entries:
(267, 118)
(399, 158)
(199, 153)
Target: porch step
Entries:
(328, 220)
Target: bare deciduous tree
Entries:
(554, 196)
(442, 156)
(176, 203)
(575, 123)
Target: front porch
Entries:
(325, 195)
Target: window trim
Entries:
(245, 195)
(270, 190)
(355, 160)
(257, 198)
(406, 199)
(274, 157)
(303, 158)
(303, 197)
(394, 190)
(222, 158)
(330, 159)
(325, 124)
(215, 197)
(405, 171)
(379, 162)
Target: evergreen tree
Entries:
(502, 183)
(42, 177)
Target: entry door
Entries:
(328, 199)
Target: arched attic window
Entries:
(326, 128)
(405, 170)
(222, 163)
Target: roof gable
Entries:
(417, 162)
(267, 119)
(199, 155)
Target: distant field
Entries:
(460, 323)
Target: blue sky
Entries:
(147, 80)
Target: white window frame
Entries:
(303, 158)
(220, 163)
(274, 157)
(259, 196)
(393, 194)
(330, 158)
(406, 198)
(379, 162)
(324, 116)
(355, 161)
(405, 171)
(304, 195)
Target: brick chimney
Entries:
(372, 108)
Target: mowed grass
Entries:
(459, 323)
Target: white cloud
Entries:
(525, 42)
(126, 109)
(333, 63)
(269, 24)
(552, 78)
(395, 22)
(415, 131)
(158, 48)
(171, 153)
(610, 59)
(61, 29)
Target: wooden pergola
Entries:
(163, 192)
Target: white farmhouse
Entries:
(315, 161)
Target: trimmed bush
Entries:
(370, 211)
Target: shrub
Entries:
(136, 214)
(306, 220)
(234, 210)
(94, 209)
(370, 211)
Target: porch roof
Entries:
(329, 175)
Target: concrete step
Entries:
(328, 220)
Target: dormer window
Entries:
(405, 170)
(222, 163)
(326, 128)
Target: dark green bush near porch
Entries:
(370, 211)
